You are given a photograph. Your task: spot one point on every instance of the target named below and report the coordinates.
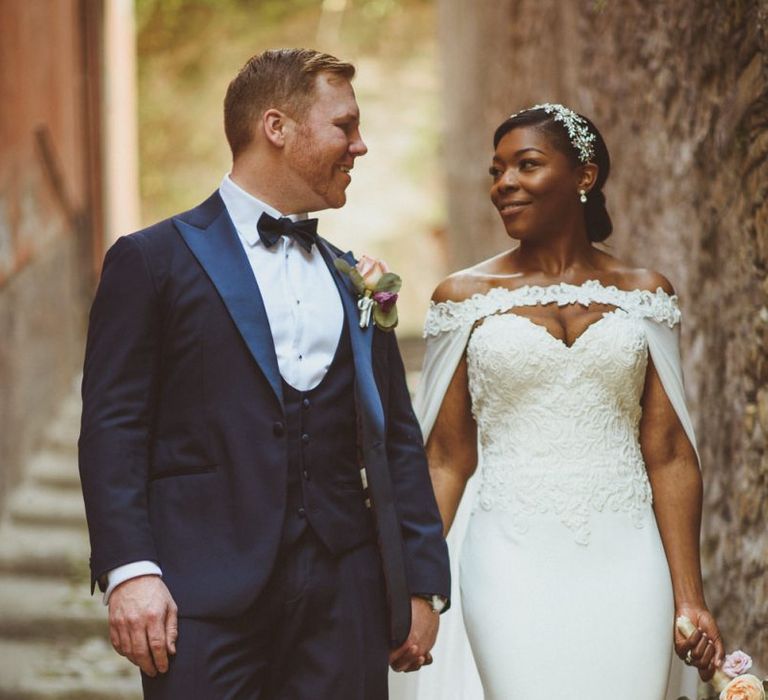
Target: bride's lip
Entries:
(512, 207)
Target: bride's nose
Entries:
(508, 181)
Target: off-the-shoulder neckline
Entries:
(559, 286)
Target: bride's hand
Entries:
(705, 644)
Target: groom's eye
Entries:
(494, 172)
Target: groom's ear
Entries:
(275, 124)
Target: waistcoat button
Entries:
(305, 439)
(278, 429)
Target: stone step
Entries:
(50, 609)
(88, 670)
(61, 437)
(33, 504)
(63, 430)
(53, 469)
(41, 551)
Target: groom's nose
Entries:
(357, 147)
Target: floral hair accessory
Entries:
(582, 139)
(377, 288)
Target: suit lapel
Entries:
(362, 341)
(372, 435)
(218, 249)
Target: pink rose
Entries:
(386, 300)
(745, 687)
(736, 663)
(371, 270)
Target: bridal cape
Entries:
(453, 675)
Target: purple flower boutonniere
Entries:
(377, 288)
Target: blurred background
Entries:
(110, 119)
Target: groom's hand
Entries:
(143, 623)
(414, 653)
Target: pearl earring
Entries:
(583, 196)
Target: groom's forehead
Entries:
(335, 94)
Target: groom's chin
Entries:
(337, 201)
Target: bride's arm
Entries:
(675, 479)
(452, 446)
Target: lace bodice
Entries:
(640, 303)
(558, 425)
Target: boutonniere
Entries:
(377, 288)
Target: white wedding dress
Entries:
(564, 584)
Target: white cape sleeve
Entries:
(453, 675)
(664, 348)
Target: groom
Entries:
(261, 517)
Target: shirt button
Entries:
(305, 439)
(301, 357)
(278, 429)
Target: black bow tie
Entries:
(304, 231)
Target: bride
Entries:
(579, 533)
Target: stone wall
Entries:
(680, 92)
(48, 201)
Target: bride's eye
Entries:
(494, 172)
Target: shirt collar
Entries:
(245, 210)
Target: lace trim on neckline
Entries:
(450, 315)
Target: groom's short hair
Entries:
(280, 78)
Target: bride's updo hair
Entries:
(598, 222)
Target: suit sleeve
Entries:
(119, 387)
(426, 553)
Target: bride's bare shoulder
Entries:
(644, 278)
(627, 277)
(456, 287)
(463, 284)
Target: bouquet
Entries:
(731, 681)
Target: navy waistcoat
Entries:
(325, 490)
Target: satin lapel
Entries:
(371, 414)
(362, 341)
(218, 249)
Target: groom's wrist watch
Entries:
(436, 602)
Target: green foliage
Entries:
(354, 276)
(389, 282)
(173, 11)
(385, 321)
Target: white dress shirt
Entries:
(303, 307)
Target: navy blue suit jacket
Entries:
(182, 457)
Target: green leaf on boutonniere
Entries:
(385, 321)
(354, 276)
(342, 265)
(389, 282)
